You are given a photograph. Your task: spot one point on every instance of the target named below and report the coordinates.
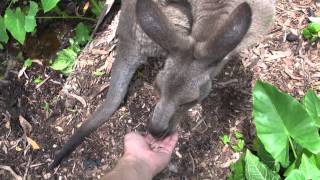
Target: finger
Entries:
(169, 142)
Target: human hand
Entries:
(154, 153)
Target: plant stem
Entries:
(292, 147)
(66, 17)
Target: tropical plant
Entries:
(288, 143)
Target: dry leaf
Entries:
(33, 144)
(18, 148)
(59, 128)
(7, 125)
(26, 126)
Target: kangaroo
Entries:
(197, 37)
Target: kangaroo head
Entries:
(185, 79)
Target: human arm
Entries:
(143, 158)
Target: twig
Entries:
(27, 169)
(8, 168)
(231, 81)
(193, 165)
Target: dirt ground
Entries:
(293, 66)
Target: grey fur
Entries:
(196, 36)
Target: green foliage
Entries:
(238, 135)
(38, 80)
(46, 107)
(256, 170)
(296, 175)
(225, 139)
(30, 18)
(288, 140)
(99, 73)
(18, 23)
(279, 119)
(309, 168)
(312, 31)
(312, 105)
(82, 34)
(66, 58)
(27, 63)
(237, 170)
(47, 5)
(22, 20)
(14, 22)
(3, 33)
(238, 147)
(97, 7)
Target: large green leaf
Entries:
(255, 170)
(278, 117)
(296, 175)
(49, 4)
(14, 22)
(309, 168)
(312, 105)
(82, 34)
(3, 32)
(30, 19)
(237, 170)
(65, 61)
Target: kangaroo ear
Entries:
(228, 36)
(156, 25)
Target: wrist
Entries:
(139, 166)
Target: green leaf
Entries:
(291, 168)
(65, 61)
(307, 34)
(3, 32)
(1, 47)
(46, 107)
(255, 170)
(314, 27)
(97, 7)
(312, 104)
(278, 117)
(237, 170)
(49, 4)
(225, 139)
(266, 158)
(239, 146)
(37, 80)
(99, 73)
(309, 168)
(27, 63)
(30, 19)
(238, 135)
(82, 34)
(14, 22)
(296, 175)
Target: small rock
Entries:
(291, 37)
(47, 176)
(173, 168)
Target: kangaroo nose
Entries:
(158, 131)
(159, 125)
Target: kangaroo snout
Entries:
(161, 124)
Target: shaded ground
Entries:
(292, 66)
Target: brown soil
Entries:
(200, 154)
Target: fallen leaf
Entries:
(26, 126)
(59, 128)
(18, 148)
(33, 144)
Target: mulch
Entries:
(293, 66)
